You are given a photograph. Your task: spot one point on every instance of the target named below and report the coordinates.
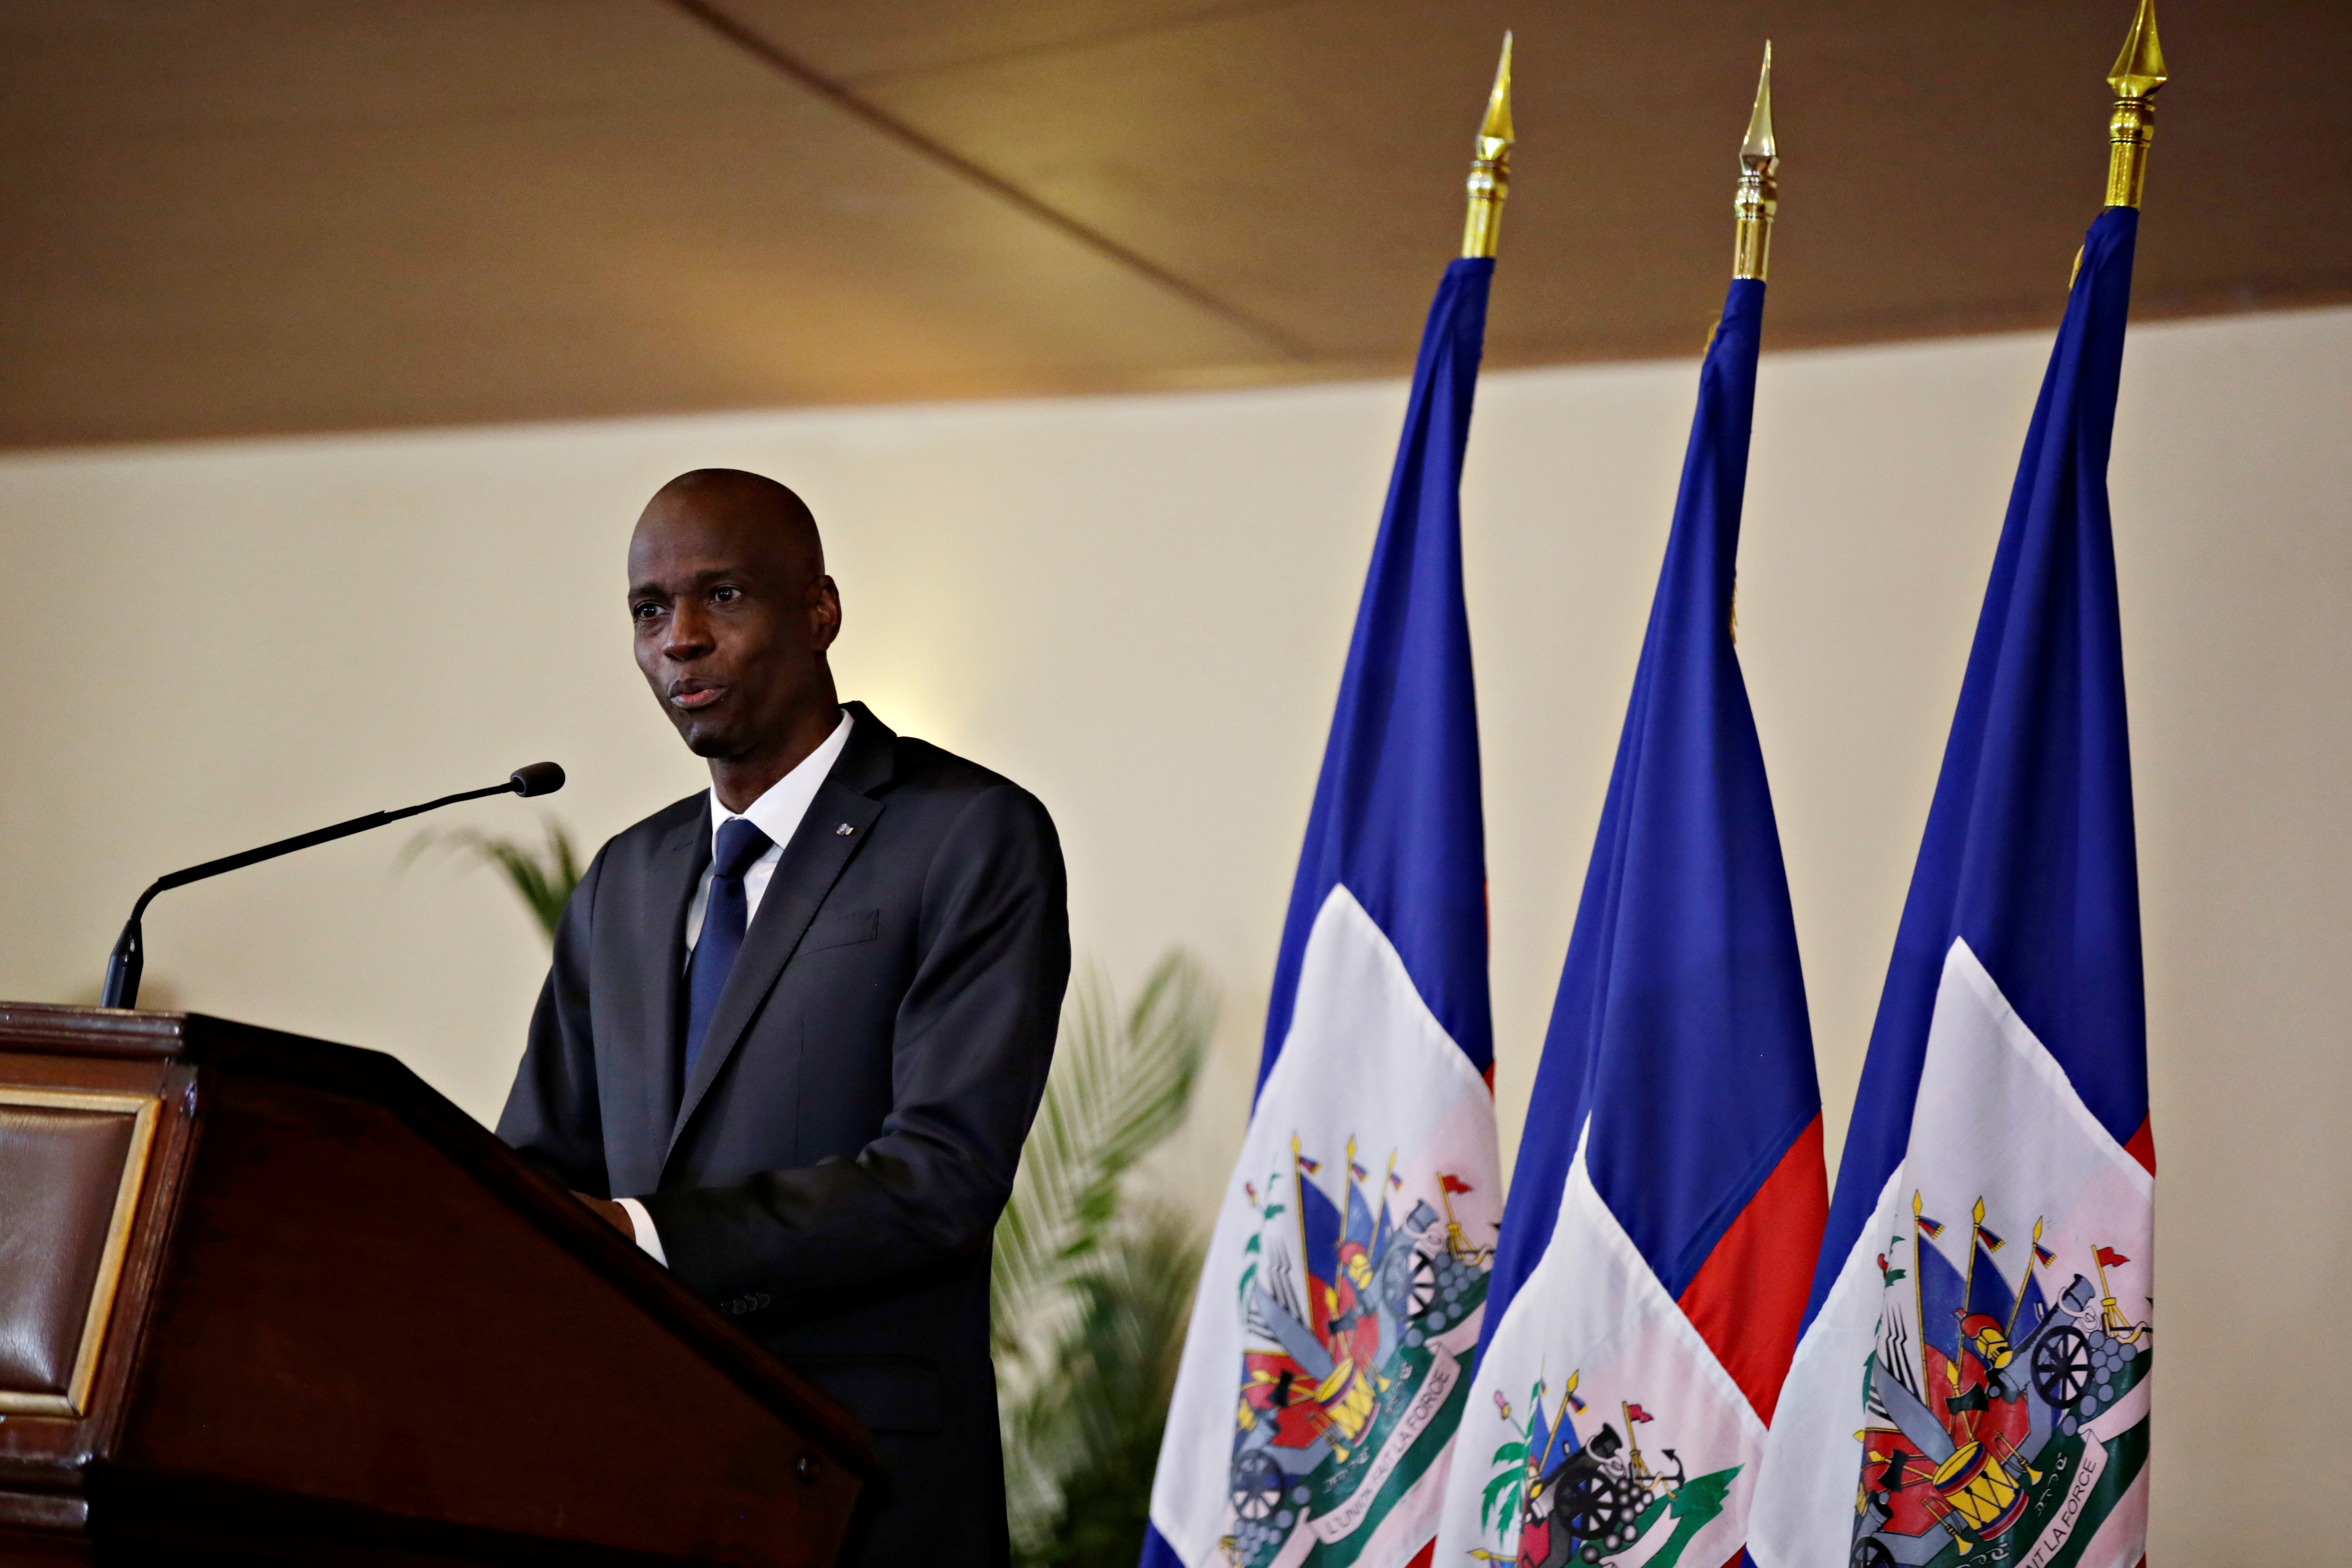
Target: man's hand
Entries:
(611, 1213)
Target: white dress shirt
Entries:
(777, 813)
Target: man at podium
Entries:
(797, 1024)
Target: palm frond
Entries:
(1105, 1412)
(542, 878)
(1091, 1291)
(1119, 1086)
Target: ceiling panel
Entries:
(228, 216)
(1939, 164)
(853, 40)
(496, 223)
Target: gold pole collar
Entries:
(2138, 72)
(1490, 167)
(1758, 196)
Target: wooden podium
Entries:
(265, 1299)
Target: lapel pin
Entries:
(845, 830)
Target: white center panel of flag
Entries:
(1339, 1307)
(1601, 1428)
(1990, 1340)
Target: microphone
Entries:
(130, 956)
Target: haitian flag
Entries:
(1327, 1363)
(1972, 1384)
(1668, 1200)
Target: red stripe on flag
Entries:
(2142, 1146)
(1421, 1559)
(1748, 1298)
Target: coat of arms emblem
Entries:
(2003, 1423)
(1557, 1496)
(1356, 1328)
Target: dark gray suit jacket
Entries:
(831, 1173)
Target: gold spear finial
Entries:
(1760, 186)
(1490, 168)
(2138, 72)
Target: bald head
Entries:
(755, 500)
(734, 615)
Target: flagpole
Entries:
(1758, 196)
(2138, 72)
(1490, 167)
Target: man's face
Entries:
(733, 614)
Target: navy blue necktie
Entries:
(724, 915)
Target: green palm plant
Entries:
(542, 878)
(1092, 1286)
(1095, 1426)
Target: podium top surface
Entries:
(135, 1033)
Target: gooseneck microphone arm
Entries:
(130, 956)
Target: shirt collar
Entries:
(778, 811)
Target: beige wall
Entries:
(1138, 608)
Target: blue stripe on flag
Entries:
(2028, 854)
(1157, 1553)
(1680, 1024)
(1397, 816)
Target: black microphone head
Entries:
(539, 778)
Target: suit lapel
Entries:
(650, 1051)
(811, 864)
